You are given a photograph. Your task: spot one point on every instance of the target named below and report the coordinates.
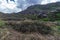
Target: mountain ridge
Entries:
(35, 9)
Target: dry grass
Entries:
(12, 34)
(3, 33)
(33, 36)
(31, 26)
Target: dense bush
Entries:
(28, 27)
(54, 16)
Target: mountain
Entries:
(49, 6)
(35, 9)
(38, 8)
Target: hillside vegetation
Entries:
(37, 22)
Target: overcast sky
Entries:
(19, 5)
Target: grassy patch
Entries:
(2, 23)
(57, 29)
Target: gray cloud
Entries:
(23, 4)
(20, 4)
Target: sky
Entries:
(9, 6)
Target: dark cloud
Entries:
(10, 0)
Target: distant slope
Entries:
(35, 9)
(49, 6)
(39, 8)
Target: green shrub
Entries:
(1, 23)
(45, 19)
(54, 16)
(56, 29)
